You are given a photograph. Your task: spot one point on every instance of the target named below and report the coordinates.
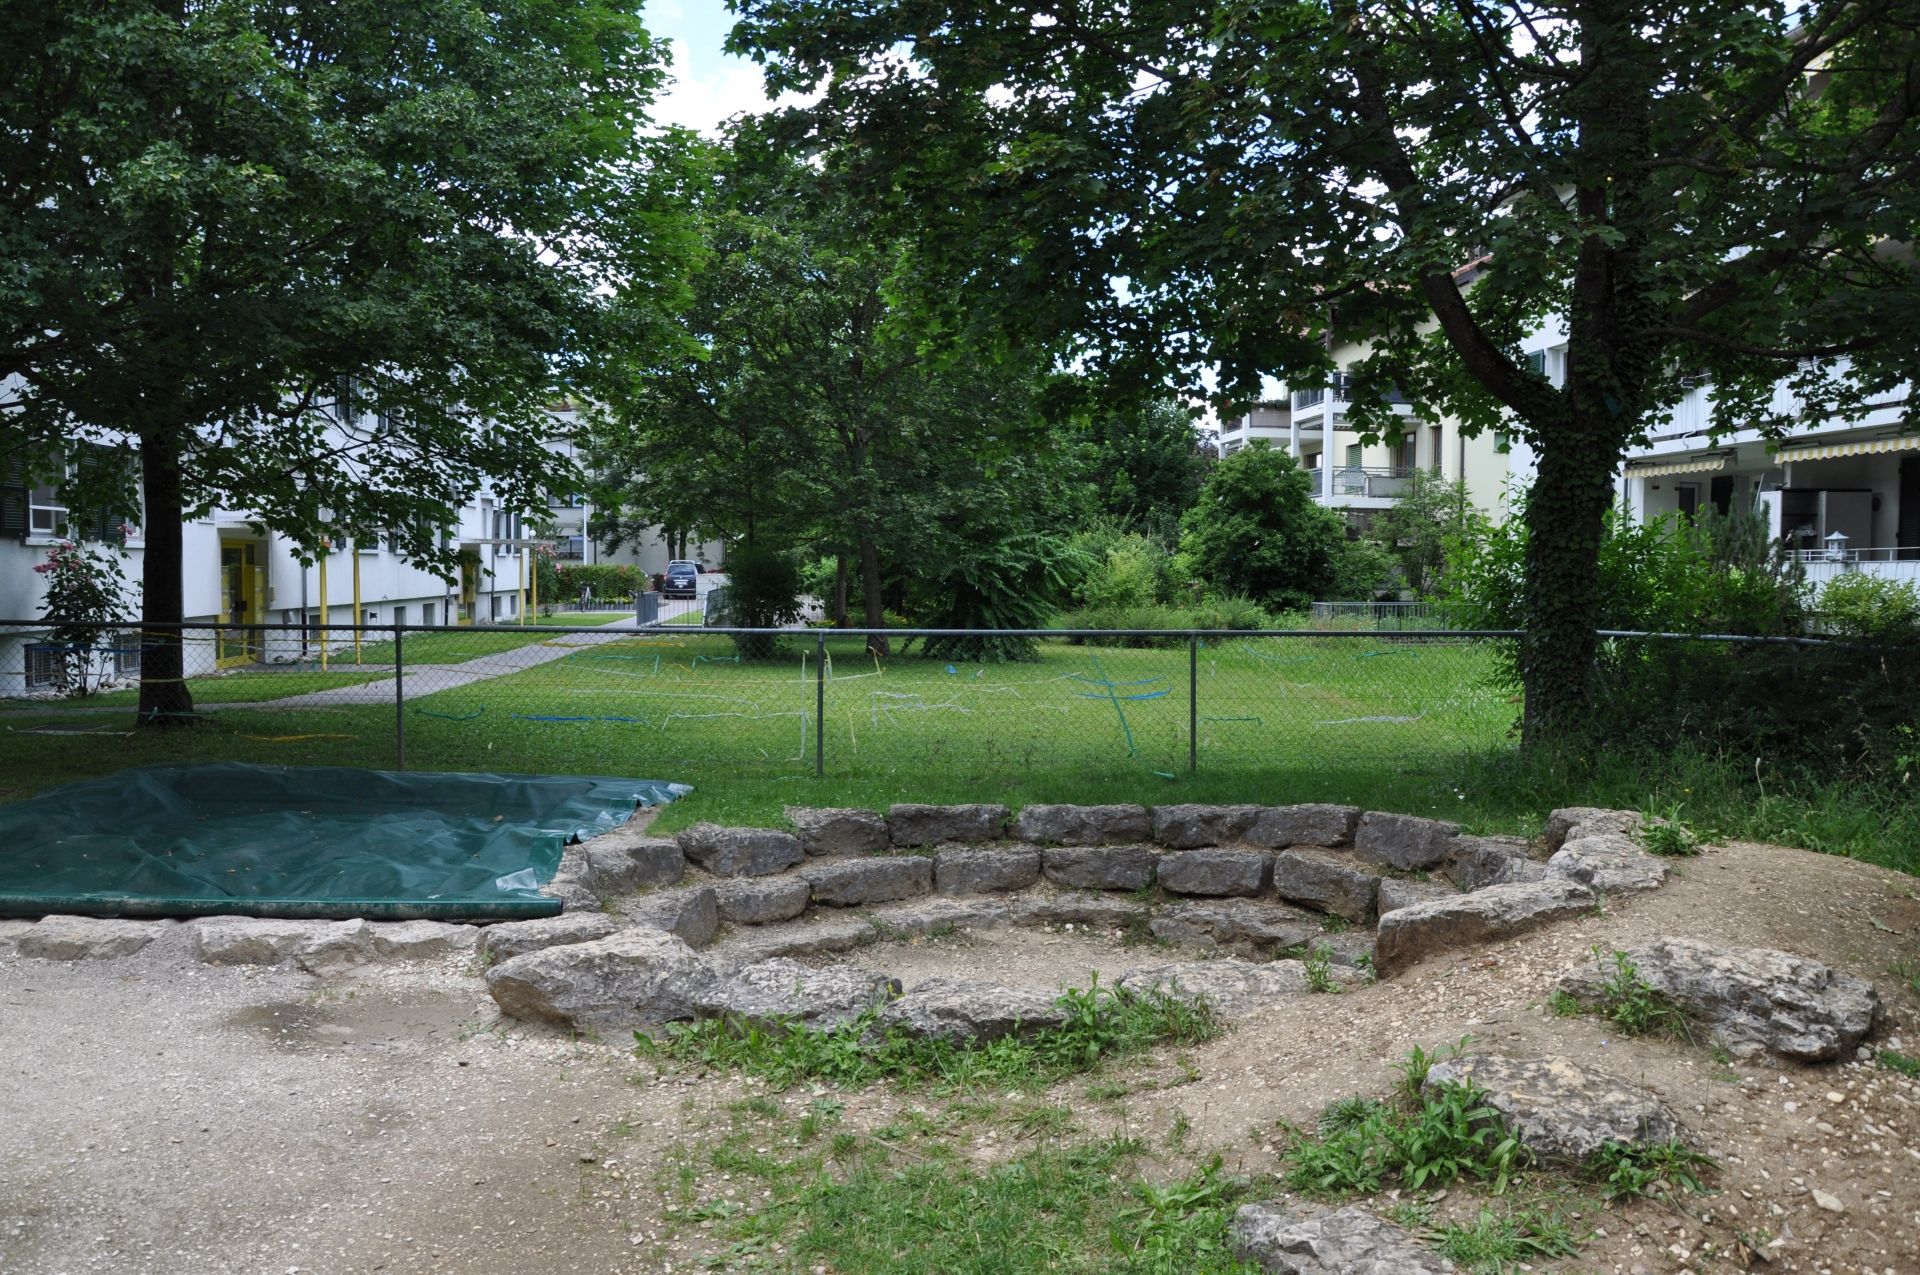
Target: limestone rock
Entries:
(251, 940)
(619, 862)
(1287, 1239)
(1309, 825)
(569, 884)
(1477, 862)
(1215, 871)
(1236, 925)
(1094, 910)
(87, 938)
(940, 916)
(1099, 867)
(1588, 821)
(422, 940)
(1403, 841)
(1354, 947)
(1328, 881)
(758, 900)
(770, 993)
(1753, 999)
(1413, 933)
(635, 978)
(692, 913)
(335, 947)
(957, 871)
(740, 852)
(1557, 1108)
(11, 930)
(509, 939)
(1229, 985)
(839, 831)
(1084, 825)
(813, 936)
(1400, 892)
(1608, 862)
(911, 824)
(880, 879)
(1188, 827)
(969, 1011)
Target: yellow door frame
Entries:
(242, 601)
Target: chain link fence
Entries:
(683, 702)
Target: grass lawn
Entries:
(249, 685)
(583, 617)
(1416, 727)
(695, 618)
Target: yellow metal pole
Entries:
(526, 566)
(356, 600)
(323, 610)
(536, 584)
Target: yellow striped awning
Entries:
(1858, 447)
(1697, 465)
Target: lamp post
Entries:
(1836, 542)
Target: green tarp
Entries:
(311, 841)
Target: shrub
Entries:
(1867, 606)
(1230, 613)
(1017, 583)
(85, 587)
(763, 592)
(609, 582)
(1127, 570)
(1256, 531)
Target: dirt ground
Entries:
(158, 1115)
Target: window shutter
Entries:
(13, 497)
(103, 478)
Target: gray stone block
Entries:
(957, 871)
(1587, 821)
(1329, 881)
(1236, 925)
(692, 914)
(1188, 827)
(740, 852)
(1099, 867)
(1413, 933)
(827, 831)
(1306, 825)
(879, 879)
(637, 978)
(1214, 871)
(759, 900)
(1608, 862)
(772, 994)
(1401, 892)
(1403, 841)
(1477, 862)
(911, 824)
(1305, 1239)
(1084, 825)
(509, 939)
(1557, 1108)
(87, 938)
(965, 1011)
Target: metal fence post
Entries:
(399, 705)
(1193, 703)
(820, 705)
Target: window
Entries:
(399, 615)
(1502, 441)
(1433, 448)
(1537, 361)
(43, 666)
(126, 657)
(493, 607)
(1353, 455)
(571, 549)
(426, 613)
(46, 515)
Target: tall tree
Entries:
(1256, 531)
(1723, 188)
(1147, 461)
(322, 262)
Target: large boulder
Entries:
(1414, 933)
(691, 914)
(741, 852)
(87, 938)
(1099, 867)
(509, 939)
(839, 831)
(1329, 881)
(1215, 872)
(636, 978)
(911, 824)
(1229, 985)
(1403, 841)
(770, 994)
(1752, 999)
(1083, 825)
(1588, 821)
(1609, 862)
(619, 862)
(847, 883)
(1558, 1109)
(1402, 892)
(1477, 862)
(1307, 825)
(966, 1011)
(958, 871)
(1188, 827)
(759, 900)
(1306, 1239)
(1236, 925)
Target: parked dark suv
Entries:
(682, 580)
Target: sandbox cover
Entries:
(307, 841)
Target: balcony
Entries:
(1338, 392)
(1385, 482)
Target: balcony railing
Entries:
(1372, 480)
(1341, 391)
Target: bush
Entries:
(1017, 583)
(609, 583)
(1870, 606)
(1230, 613)
(1257, 532)
(763, 592)
(1127, 570)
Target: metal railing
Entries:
(1372, 480)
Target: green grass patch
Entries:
(1630, 1003)
(248, 685)
(1496, 1241)
(1632, 1170)
(1667, 836)
(1448, 1134)
(576, 618)
(1101, 1024)
(1900, 1064)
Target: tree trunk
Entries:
(164, 697)
(1566, 519)
(840, 591)
(870, 586)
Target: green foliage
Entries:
(1635, 1006)
(1446, 1134)
(1433, 520)
(1630, 1170)
(546, 578)
(1181, 1226)
(84, 587)
(1128, 570)
(1213, 613)
(1361, 570)
(1101, 1023)
(608, 582)
(763, 590)
(1866, 606)
(1900, 1064)
(1256, 531)
(1145, 463)
(1494, 1243)
(1016, 583)
(1317, 965)
(1563, 1005)
(1668, 836)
